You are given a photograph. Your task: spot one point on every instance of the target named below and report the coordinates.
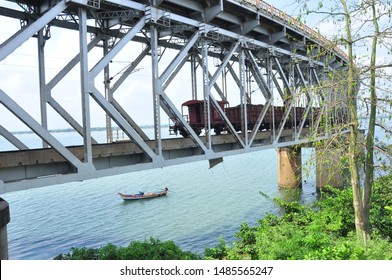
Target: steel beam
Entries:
(212, 12)
(170, 106)
(121, 122)
(216, 86)
(27, 32)
(282, 75)
(194, 76)
(243, 100)
(173, 75)
(262, 84)
(70, 65)
(108, 93)
(129, 120)
(85, 86)
(234, 75)
(260, 119)
(156, 89)
(302, 80)
(12, 139)
(117, 48)
(183, 54)
(283, 121)
(125, 3)
(206, 92)
(42, 81)
(222, 66)
(227, 121)
(23, 116)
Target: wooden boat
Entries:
(143, 195)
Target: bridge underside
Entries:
(239, 52)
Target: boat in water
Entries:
(143, 195)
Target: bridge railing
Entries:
(270, 10)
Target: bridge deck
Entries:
(17, 167)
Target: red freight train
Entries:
(196, 117)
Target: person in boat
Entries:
(140, 193)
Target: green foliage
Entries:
(80, 254)
(389, 208)
(219, 252)
(351, 249)
(152, 249)
(324, 230)
(380, 216)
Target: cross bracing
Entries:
(239, 52)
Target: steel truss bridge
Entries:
(266, 54)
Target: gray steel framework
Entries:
(221, 40)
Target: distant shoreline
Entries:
(73, 130)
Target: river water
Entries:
(203, 204)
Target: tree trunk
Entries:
(369, 161)
(353, 137)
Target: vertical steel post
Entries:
(4, 220)
(269, 84)
(85, 86)
(311, 81)
(248, 84)
(194, 76)
(270, 79)
(42, 82)
(298, 97)
(156, 90)
(206, 91)
(108, 93)
(293, 92)
(243, 101)
(224, 82)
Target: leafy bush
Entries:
(349, 248)
(324, 230)
(152, 249)
(380, 216)
(219, 252)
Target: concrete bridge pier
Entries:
(329, 168)
(4, 220)
(289, 167)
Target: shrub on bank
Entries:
(324, 230)
(152, 249)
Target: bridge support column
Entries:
(289, 167)
(329, 169)
(4, 220)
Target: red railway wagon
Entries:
(196, 117)
(253, 111)
(234, 114)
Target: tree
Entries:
(366, 82)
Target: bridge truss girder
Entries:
(280, 69)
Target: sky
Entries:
(19, 79)
(19, 76)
